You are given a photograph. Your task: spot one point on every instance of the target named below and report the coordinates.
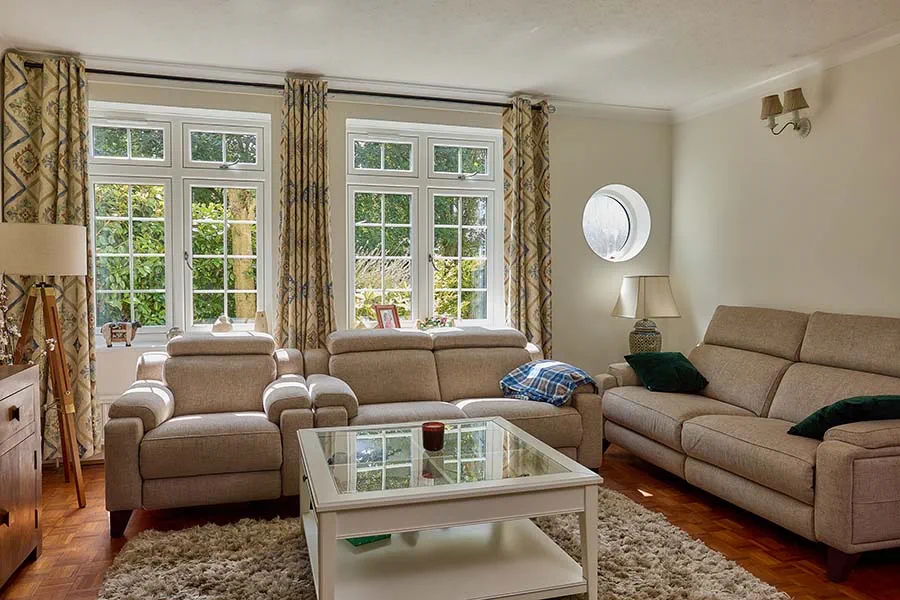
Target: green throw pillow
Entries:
(667, 372)
(851, 410)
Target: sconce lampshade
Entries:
(43, 249)
(771, 106)
(794, 100)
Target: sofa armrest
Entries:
(605, 381)
(150, 401)
(325, 390)
(315, 361)
(589, 407)
(624, 374)
(285, 393)
(867, 434)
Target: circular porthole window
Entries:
(616, 223)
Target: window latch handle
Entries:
(187, 260)
(431, 261)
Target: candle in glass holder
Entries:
(433, 435)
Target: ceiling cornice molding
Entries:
(565, 106)
(791, 73)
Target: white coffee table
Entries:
(459, 517)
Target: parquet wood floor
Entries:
(77, 548)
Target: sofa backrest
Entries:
(841, 356)
(384, 365)
(471, 361)
(219, 372)
(746, 352)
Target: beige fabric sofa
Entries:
(212, 420)
(768, 369)
(394, 376)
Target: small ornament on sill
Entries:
(222, 325)
(120, 331)
(261, 322)
(174, 332)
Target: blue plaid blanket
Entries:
(545, 381)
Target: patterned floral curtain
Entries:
(45, 181)
(305, 294)
(526, 217)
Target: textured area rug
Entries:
(641, 556)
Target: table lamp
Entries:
(33, 249)
(645, 297)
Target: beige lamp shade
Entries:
(646, 297)
(41, 249)
(794, 100)
(771, 107)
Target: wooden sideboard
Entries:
(20, 462)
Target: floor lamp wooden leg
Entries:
(63, 446)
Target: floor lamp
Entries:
(32, 249)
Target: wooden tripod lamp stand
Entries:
(33, 249)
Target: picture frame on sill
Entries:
(387, 315)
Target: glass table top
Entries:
(393, 457)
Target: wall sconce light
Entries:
(794, 102)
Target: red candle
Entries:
(433, 435)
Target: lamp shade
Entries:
(771, 107)
(646, 297)
(43, 249)
(794, 100)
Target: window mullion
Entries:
(130, 213)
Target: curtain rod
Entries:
(273, 86)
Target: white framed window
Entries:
(179, 242)
(616, 223)
(430, 245)
(130, 142)
(386, 155)
(460, 159)
(211, 146)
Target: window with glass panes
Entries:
(427, 238)
(178, 219)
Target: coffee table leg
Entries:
(588, 522)
(328, 555)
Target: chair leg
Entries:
(839, 564)
(118, 521)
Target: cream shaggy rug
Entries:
(641, 556)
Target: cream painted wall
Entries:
(782, 222)
(587, 152)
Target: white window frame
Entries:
(165, 126)
(176, 171)
(461, 143)
(426, 186)
(190, 163)
(384, 138)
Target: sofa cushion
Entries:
(205, 444)
(558, 426)
(763, 330)
(406, 412)
(667, 372)
(807, 388)
(757, 449)
(477, 337)
(388, 375)
(855, 342)
(210, 384)
(660, 415)
(740, 377)
(849, 410)
(371, 340)
(222, 344)
(475, 372)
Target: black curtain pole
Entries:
(273, 86)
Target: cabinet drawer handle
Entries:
(4, 517)
(14, 413)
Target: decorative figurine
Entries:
(174, 332)
(222, 325)
(120, 331)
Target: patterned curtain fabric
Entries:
(305, 294)
(526, 217)
(45, 181)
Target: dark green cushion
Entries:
(667, 372)
(851, 410)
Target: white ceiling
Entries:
(646, 53)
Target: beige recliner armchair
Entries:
(212, 420)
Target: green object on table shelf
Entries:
(369, 539)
